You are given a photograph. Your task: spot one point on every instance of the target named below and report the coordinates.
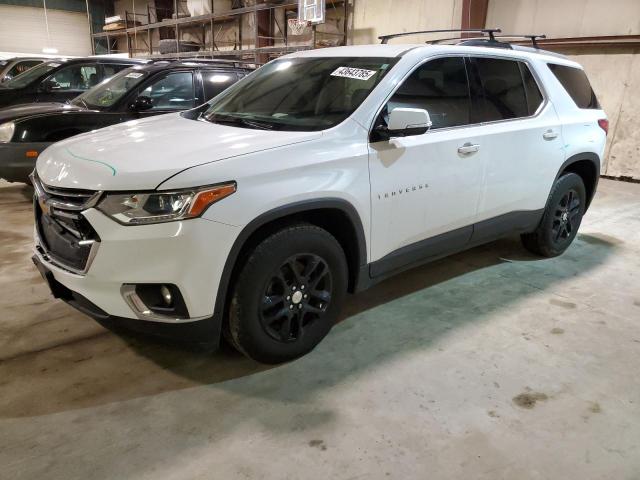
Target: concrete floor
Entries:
(491, 364)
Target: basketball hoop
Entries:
(297, 26)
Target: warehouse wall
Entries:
(372, 18)
(615, 76)
(614, 72)
(566, 18)
(22, 29)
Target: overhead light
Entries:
(50, 50)
(219, 78)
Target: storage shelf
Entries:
(207, 23)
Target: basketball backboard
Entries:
(311, 10)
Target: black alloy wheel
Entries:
(566, 217)
(287, 294)
(297, 294)
(561, 218)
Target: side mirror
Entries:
(405, 122)
(141, 103)
(49, 86)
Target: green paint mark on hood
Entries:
(113, 170)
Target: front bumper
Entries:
(189, 254)
(205, 333)
(15, 166)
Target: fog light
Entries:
(155, 301)
(166, 295)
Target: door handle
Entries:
(549, 135)
(468, 148)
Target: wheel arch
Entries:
(587, 166)
(337, 216)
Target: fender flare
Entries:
(278, 213)
(590, 156)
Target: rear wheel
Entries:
(561, 219)
(288, 294)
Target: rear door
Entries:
(522, 138)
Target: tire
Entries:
(561, 218)
(288, 294)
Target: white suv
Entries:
(323, 172)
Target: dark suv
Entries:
(59, 80)
(138, 92)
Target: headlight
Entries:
(158, 207)
(6, 131)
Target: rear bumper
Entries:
(14, 164)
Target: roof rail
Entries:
(490, 31)
(533, 38)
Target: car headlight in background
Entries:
(158, 207)
(6, 131)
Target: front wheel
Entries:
(561, 219)
(288, 294)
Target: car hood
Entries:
(15, 112)
(141, 154)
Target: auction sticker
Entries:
(133, 75)
(356, 73)
(54, 65)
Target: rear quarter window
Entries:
(577, 85)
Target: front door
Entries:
(425, 189)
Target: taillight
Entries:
(604, 124)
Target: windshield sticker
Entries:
(54, 65)
(133, 75)
(355, 73)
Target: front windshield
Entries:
(107, 93)
(300, 93)
(30, 75)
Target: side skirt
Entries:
(449, 243)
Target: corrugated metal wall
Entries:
(22, 29)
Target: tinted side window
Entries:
(215, 82)
(74, 78)
(534, 96)
(173, 91)
(440, 87)
(503, 90)
(577, 85)
(21, 67)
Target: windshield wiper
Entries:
(75, 101)
(230, 120)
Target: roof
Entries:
(71, 61)
(422, 49)
(13, 59)
(157, 65)
(377, 50)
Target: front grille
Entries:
(66, 238)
